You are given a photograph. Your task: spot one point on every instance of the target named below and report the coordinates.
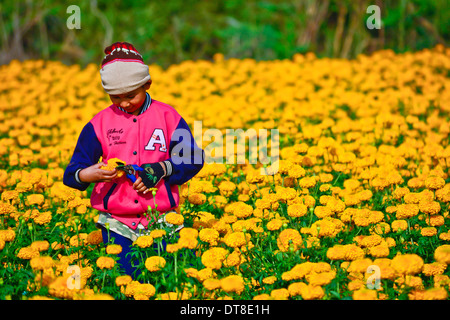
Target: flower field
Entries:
(359, 208)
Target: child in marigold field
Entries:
(138, 130)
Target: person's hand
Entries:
(139, 186)
(150, 176)
(95, 174)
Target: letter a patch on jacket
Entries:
(157, 138)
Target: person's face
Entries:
(131, 101)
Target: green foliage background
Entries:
(168, 32)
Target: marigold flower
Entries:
(365, 294)
(7, 235)
(405, 211)
(41, 263)
(112, 164)
(209, 235)
(399, 225)
(211, 284)
(236, 239)
(435, 268)
(269, 280)
(155, 263)
(435, 294)
(113, 249)
(145, 241)
(280, 294)
(407, 264)
(105, 262)
(40, 245)
(197, 198)
(27, 253)
(428, 231)
(174, 218)
(43, 218)
(442, 254)
(95, 237)
(287, 238)
(274, 224)
(232, 283)
(434, 183)
(297, 210)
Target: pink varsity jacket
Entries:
(146, 138)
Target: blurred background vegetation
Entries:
(168, 32)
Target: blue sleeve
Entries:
(186, 158)
(87, 153)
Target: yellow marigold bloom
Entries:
(241, 210)
(360, 265)
(311, 292)
(435, 268)
(296, 171)
(320, 279)
(157, 233)
(27, 253)
(263, 296)
(43, 218)
(399, 192)
(2, 244)
(233, 283)
(399, 225)
(381, 228)
(35, 199)
(112, 163)
(287, 238)
(428, 231)
(296, 288)
(144, 241)
(405, 211)
(379, 251)
(435, 220)
(211, 284)
(174, 218)
(435, 294)
(442, 254)
(113, 249)
(155, 263)
(434, 183)
(209, 235)
(441, 280)
(365, 294)
(40, 245)
(297, 210)
(95, 237)
(371, 241)
(7, 235)
(41, 263)
(345, 252)
(280, 294)
(213, 257)
(143, 291)
(187, 242)
(197, 198)
(236, 239)
(274, 224)
(226, 188)
(105, 262)
(307, 182)
(269, 280)
(429, 207)
(445, 236)
(323, 211)
(407, 264)
(412, 198)
(204, 274)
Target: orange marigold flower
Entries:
(174, 218)
(435, 268)
(435, 294)
(105, 262)
(428, 231)
(112, 164)
(287, 238)
(442, 254)
(233, 283)
(155, 263)
(113, 249)
(144, 241)
(407, 264)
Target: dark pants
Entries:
(126, 244)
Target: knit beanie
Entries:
(123, 69)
